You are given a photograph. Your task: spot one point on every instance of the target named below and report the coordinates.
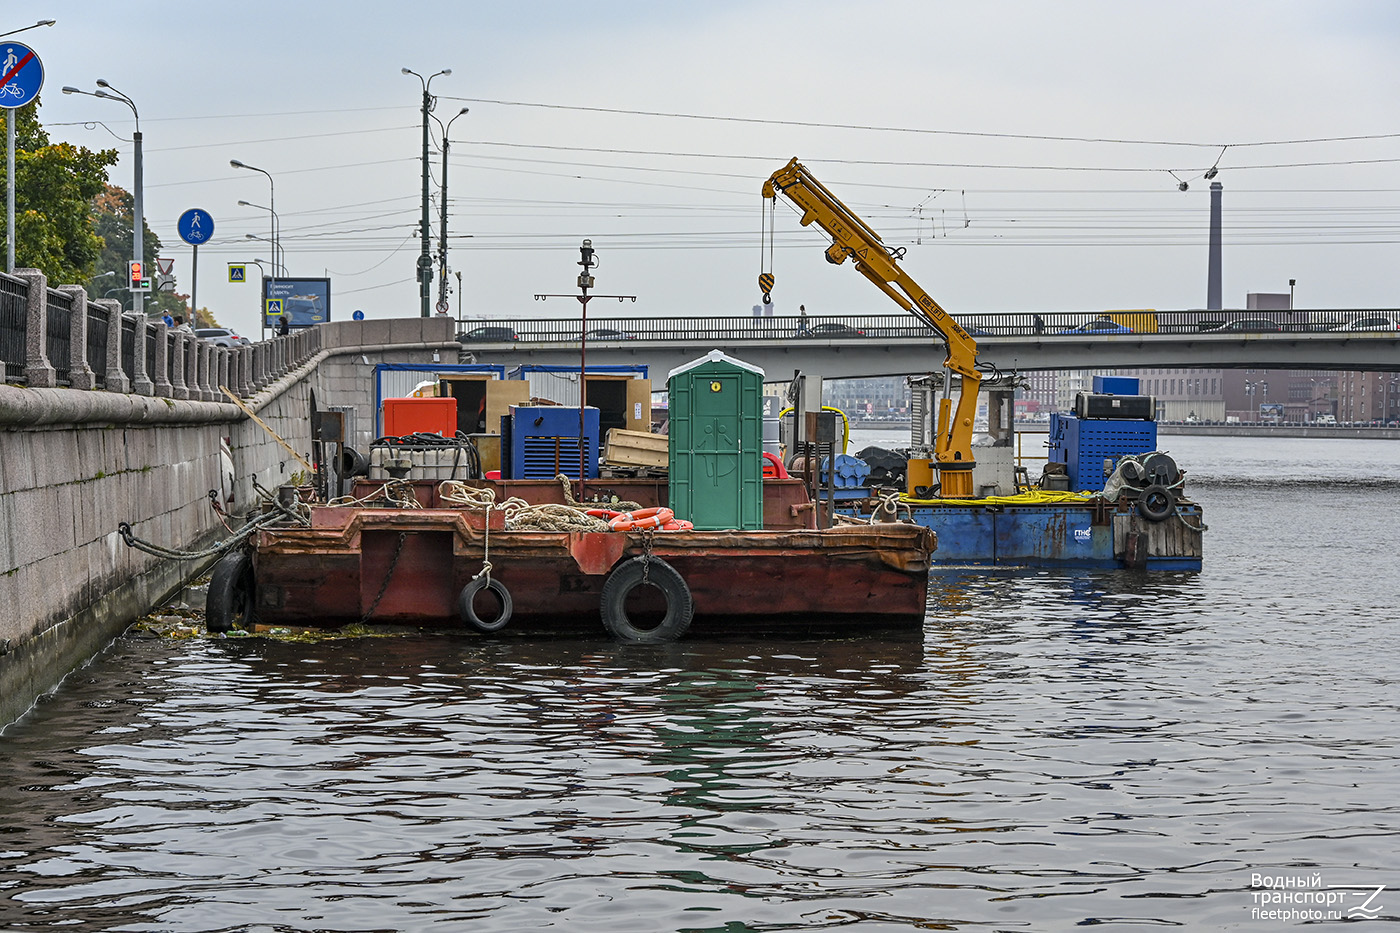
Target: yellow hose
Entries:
(1034, 497)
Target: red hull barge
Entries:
(388, 565)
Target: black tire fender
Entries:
(627, 576)
(466, 604)
(1156, 503)
(231, 591)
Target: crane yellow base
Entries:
(954, 480)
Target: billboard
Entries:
(307, 301)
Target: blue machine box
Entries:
(1083, 444)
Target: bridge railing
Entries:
(56, 337)
(1049, 324)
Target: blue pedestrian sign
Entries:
(237, 272)
(196, 226)
(21, 74)
(358, 315)
(274, 307)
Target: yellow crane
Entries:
(853, 239)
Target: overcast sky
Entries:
(1022, 151)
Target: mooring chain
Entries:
(648, 539)
(238, 537)
(384, 587)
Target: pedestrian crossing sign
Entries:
(237, 272)
(274, 307)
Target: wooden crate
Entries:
(636, 448)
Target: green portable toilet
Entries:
(716, 443)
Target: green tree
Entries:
(112, 211)
(54, 186)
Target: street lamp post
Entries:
(42, 22)
(277, 235)
(272, 201)
(425, 258)
(282, 261)
(442, 224)
(138, 220)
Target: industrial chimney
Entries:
(1213, 301)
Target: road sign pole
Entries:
(194, 287)
(22, 77)
(9, 189)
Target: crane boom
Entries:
(853, 239)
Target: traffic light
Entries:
(136, 276)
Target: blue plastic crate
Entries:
(1116, 385)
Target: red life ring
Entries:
(678, 524)
(642, 519)
(605, 514)
(774, 468)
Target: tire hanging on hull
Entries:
(466, 605)
(231, 590)
(639, 571)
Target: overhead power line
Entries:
(905, 129)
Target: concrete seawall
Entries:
(76, 463)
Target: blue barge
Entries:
(1106, 499)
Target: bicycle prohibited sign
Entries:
(21, 74)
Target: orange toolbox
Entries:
(420, 416)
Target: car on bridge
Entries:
(222, 336)
(608, 333)
(1100, 325)
(1368, 323)
(1248, 325)
(488, 334)
(830, 330)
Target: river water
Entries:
(1054, 749)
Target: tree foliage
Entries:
(54, 187)
(112, 210)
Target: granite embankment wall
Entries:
(75, 463)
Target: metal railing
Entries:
(75, 339)
(58, 336)
(1061, 325)
(96, 349)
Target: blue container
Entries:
(1083, 444)
(1116, 385)
(544, 442)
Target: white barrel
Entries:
(771, 442)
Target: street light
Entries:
(277, 226)
(42, 22)
(138, 220)
(282, 263)
(442, 226)
(425, 258)
(272, 201)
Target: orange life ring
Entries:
(642, 519)
(678, 524)
(605, 514)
